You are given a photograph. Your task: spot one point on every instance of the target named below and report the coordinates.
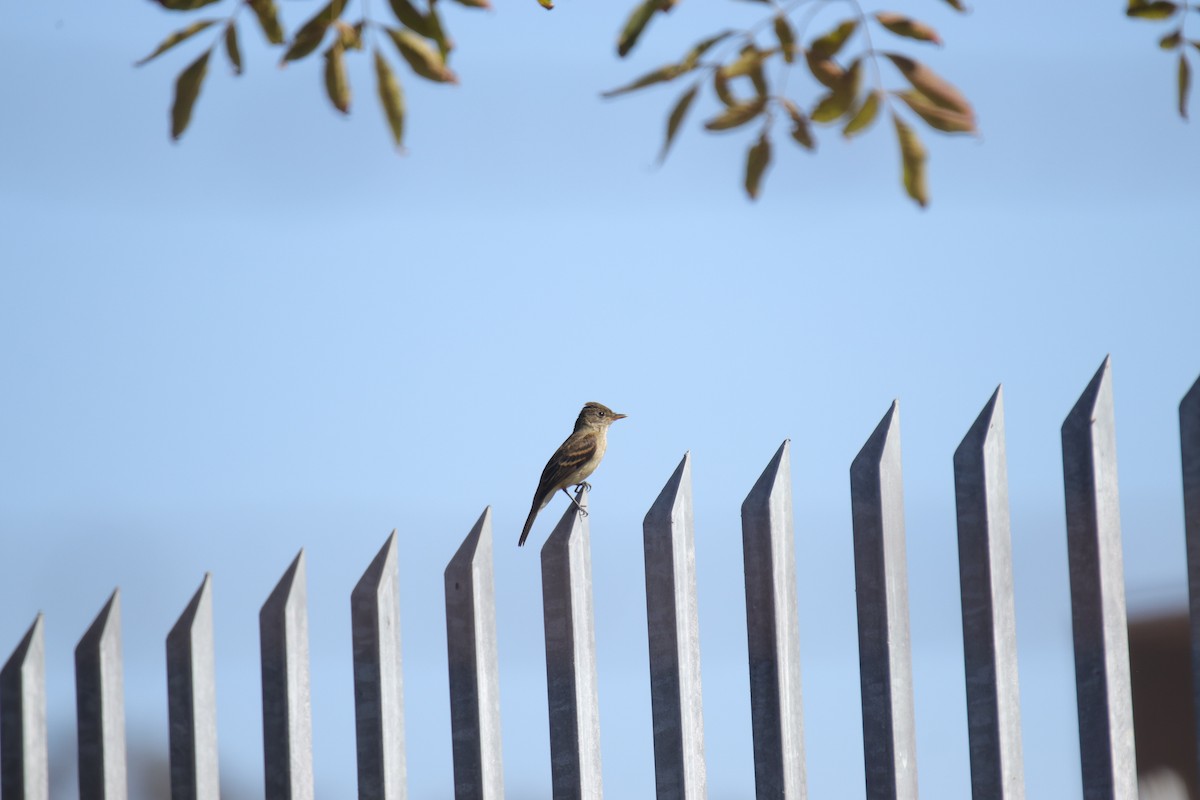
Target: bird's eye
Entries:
(601, 413)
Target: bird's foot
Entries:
(580, 487)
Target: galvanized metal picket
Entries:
(1107, 748)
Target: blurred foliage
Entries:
(747, 71)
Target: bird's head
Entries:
(595, 415)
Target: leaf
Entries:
(910, 28)
(337, 85)
(391, 97)
(422, 58)
(913, 157)
(840, 100)
(661, 75)
(184, 5)
(638, 19)
(957, 5)
(1185, 83)
(231, 48)
(268, 20)
(930, 84)
(865, 116)
(675, 120)
(474, 3)
(937, 117)
(721, 87)
(828, 45)
(546, 4)
(800, 130)
(187, 89)
(350, 36)
(1172, 40)
(824, 70)
(737, 115)
(175, 38)
(410, 18)
(1158, 9)
(437, 33)
(786, 37)
(308, 37)
(756, 164)
(703, 46)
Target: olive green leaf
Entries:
(910, 28)
(187, 89)
(703, 46)
(737, 115)
(423, 59)
(957, 5)
(1172, 40)
(930, 84)
(175, 38)
(638, 19)
(391, 97)
(474, 3)
(826, 71)
(757, 160)
(337, 85)
(1185, 83)
(913, 156)
(410, 18)
(865, 116)
(786, 37)
(841, 98)
(800, 130)
(437, 33)
(350, 36)
(938, 117)
(268, 20)
(184, 5)
(828, 45)
(721, 87)
(1157, 9)
(546, 4)
(308, 37)
(675, 120)
(231, 48)
(661, 75)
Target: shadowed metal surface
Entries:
(1089, 444)
(474, 666)
(884, 648)
(379, 680)
(100, 707)
(1189, 444)
(287, 709)
(674, 633)
(192, 701)
(988, 617)
(768, 547)
(24, 768)
(571, 659)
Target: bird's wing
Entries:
(577, 450)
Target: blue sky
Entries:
(277, 333)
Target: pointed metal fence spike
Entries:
(1102, 682)
(1189, 444)
(100, 707)
(988, 616)
(673, 627)
(884, 648)
(192, 700)
(768, 546)
(378, 679)
(287, 709)
(571, 659)
(474, 670)
(24, 766)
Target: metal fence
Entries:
(989, 634)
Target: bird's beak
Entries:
(619, 416)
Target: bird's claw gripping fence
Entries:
(989, 636)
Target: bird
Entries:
(574, 460)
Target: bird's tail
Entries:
(533, 512)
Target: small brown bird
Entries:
(574, 460)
